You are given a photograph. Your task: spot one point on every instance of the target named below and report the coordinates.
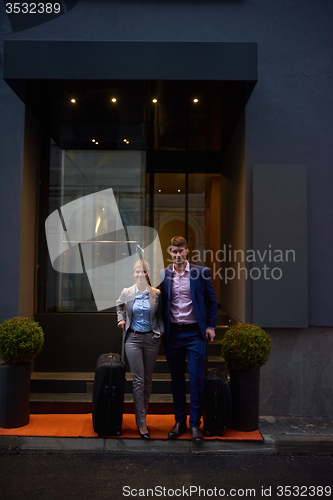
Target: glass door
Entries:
(169, 208)
(188, 204)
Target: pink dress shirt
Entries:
(181, 310)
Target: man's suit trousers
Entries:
(187, 344)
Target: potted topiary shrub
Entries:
(21, 339)
(245, 348)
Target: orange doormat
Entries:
(80, 425)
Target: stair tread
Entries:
(61, 396)
(89, 376)
(62, 376)
(129, 377)
(156, 376)
(87, 398)
(212, 359)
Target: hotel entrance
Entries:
(170, 147)
(158, 145)
(164, 151)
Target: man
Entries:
(189, 308)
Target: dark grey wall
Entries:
(289, 121)
(280, 246)
(11, 167)
(297, 379)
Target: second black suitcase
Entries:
(108, 394)
(217, 414)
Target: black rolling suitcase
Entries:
(108, 394)
(217, 414)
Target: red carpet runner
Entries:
(80, 425)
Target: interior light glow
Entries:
(73, 100)
(160, 190)
(125, 140)
(93, 140)
(154, 101)
(96, 142)
(114, 99)
(178, 190)
(195, 100)
(97, 224)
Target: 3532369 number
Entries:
(33, 8)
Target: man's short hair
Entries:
(178, 241)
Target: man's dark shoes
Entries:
(197, 435)
(177, 430)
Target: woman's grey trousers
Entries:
(141, 351)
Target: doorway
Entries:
(191, 103)
(158, 144)
(188, 204)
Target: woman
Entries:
(139, 315)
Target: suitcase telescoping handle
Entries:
(123, 345)
(214, 370)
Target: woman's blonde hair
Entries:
(142, 263)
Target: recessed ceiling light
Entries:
(73, 101)
(195, 100)
(178, 190)
(154, 101)
(96, 142)
(114, 99)
(93, 140)
(160, 190)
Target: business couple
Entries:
(184, 311)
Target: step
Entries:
(71, 392)
(87, 398)
(63, 384)
(214, 361)
(44, 403)
(47, 399)
(81, 382)
(84, 390)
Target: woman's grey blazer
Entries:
(125, 306)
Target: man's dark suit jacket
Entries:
(203, 298)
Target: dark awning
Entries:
(30, 59)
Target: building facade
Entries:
(212, 120)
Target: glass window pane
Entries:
(169, 208)
(74, 175)
(204, 222)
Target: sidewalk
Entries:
(307, 435)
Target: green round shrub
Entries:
(246, 347)
(21, 339)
